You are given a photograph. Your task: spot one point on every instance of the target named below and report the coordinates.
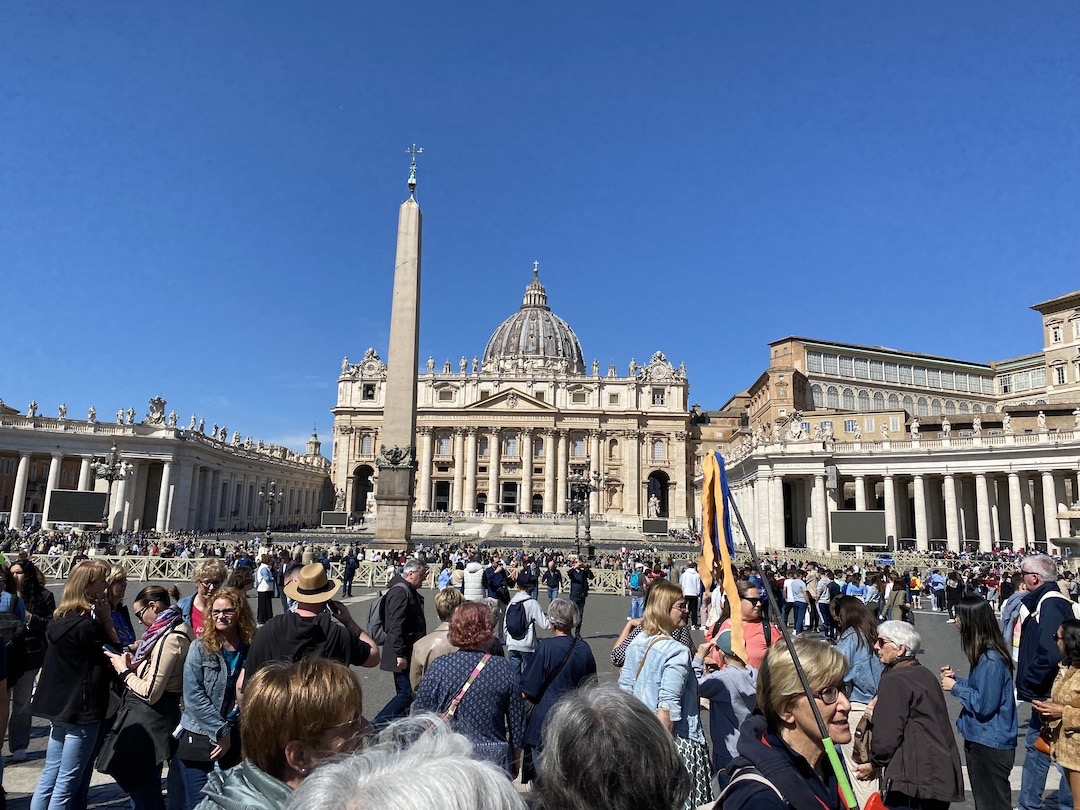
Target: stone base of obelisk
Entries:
(393, 511)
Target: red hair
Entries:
(472, 626)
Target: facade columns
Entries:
(860, 493)
(821, 513)
(163, 498)
(1049, 498)
(982, 510)
(632, 501)
(206, 514)
(777, 529)
(889, 489)
(762, 499)
(597, 464)
(560, 475)
(466, 502)
(1029, 509)
(54, 479)
(84, 474)
(1016, 511)
(922, 538)
(525, 450)
(549, 472)
(18, 497)
(423, 503)
(952, 521)
(493, 472)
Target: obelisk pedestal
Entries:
(397, 453)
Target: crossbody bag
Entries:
(451, 710)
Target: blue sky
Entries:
(199, 199)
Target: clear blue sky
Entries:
(199, 199)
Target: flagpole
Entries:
(774, 613)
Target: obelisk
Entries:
(397, 452)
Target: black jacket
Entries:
(73, 686)
(786, 769)
(404, 623)
(579, 582)
(1037, 664)
(289, 637)
(913, 740)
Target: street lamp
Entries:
(273, 495)
(111, 468)
(582, 485)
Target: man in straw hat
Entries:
(310, 630)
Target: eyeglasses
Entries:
(356, 729)
(223, 612)
(146, 607)
(209, 583)
(830, 694)
(681, 606)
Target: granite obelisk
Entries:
(397, 451)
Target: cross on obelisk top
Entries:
(413, 150)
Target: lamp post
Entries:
(582, 485)
(110, 468)
(273, 495)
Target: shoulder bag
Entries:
(451, 710)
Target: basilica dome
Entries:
(534, 337)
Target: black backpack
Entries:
(13, 633)
(517, 621)
(834, 589)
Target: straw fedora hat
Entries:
(312, 585)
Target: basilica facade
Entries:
(506, 432)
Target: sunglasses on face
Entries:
(141, 611)
(753, 600)
(680, 606)
(210, 583)
(881, 642)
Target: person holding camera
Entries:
(579, 575)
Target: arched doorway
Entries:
(537, 504)
(658, 488)
(481, 502)
(362, 485)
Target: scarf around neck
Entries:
(164, 622)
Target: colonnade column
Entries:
(889, 487)
(163, 498)
(206, 502)
(549, 471)
(597, 465)
(560, 475)
(982, 508)
(493, 472)
(777, 529)
(54, 479)
(762, 499)
(1029, 509)
(460, 466)
(84, 474)
(1050, 519)
(18, 497)
(118, 507)
(952, 523)
(922, 538)
(860, 493)
(1016, 511)
(423, 503)
(821, 513)
(525, 450)
(467, 501)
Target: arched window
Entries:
(879, 401)
(849, 399)
(444, 444)
(832, 397)
(909, 405)
(658, 450)
(990, 409)
(510, 444)
(577, 447)
(976, 408)
(923, 407)
(894, 402)
(482, 447)
(964, 407)
(613, 449)
(819, 398)
(538, 448)
(935, 407)
(367, 444)
(950, 407)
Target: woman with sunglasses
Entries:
(1062, 712)
(781, 754)
(209, 575)
(210, 735)
(154, 680)
(663, 674)
(913, 744)
(758, 635)
(987, 719)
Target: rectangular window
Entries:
(868, 425)
(612, 399)
(877, 370)
(905, 375)
(484, 393)
(850, 425)
(1022, 380)
(446, 395)
(826, 427)
(579, 397)
(540, 395)
(1038, 378)
(1076, 328)
(920, 375)
(1055, 333)
(577, 448)
(1059, 375)
(512, 445)
(805, 428)
(538, 448)
(894, 424)
(847, 367)
(988, 385)
(948, 381)
(891, 373)
(830, 364)
(658, 396)
(933, 378)
(813, 362)
(1005, 383)
(961, 381)
(445, 444)
(862, 368)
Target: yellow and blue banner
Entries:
(718, 544)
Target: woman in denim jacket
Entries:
(661, 672)
(213, 665)
(857, 624)
(987, 719)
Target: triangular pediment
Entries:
(512, 401)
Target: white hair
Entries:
(902, 634)
(420, 753)
(1042, 565)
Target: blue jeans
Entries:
(193, 778)
(637, 607)
(67, 760)
(800, 615)
(1033, 773)
(519, 659)
(553, 594)
(399, 704)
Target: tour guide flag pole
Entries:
(716, 501)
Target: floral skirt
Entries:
(695, 758)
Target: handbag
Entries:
(1042, 742)
(862, 739)
(109, 756)
(193, 747)
(875, 802)
(451, 710)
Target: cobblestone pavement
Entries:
(604, 619)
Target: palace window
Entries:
(1055, 333)
(1076, 328)
(577, 447)
(877, 370)
(935, 407)
(879, 401)
(658, 450)
(850, 425)
(923, 407)
(894, 424)
(813, 362)
(847, 367)
(905, 375)
(920, 376)
(446, 395)
(891, 373)
(1059, 375)
(964, 407)
(868, 425)
(826, 426)
(862, 368)
(830, 362)
(805, 428)
(849, 399)
(444, 444)
(819, 398)
(933, 378)
(948, 380)
(579, 397)
(511, 445)
(832, 397)
(950, 407)
(1005, 384)
(864, 401)
(894, 402)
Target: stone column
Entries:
(54, 479)
(461, 469)
(1062, 498)
(206, 501)
(549, 472)
(1029, 509)
(424, 501)
(776, 512)
(119, 504)
(889, 493)
(982, 509)
(84, 474)
(860, 493)
(952, 523)
(1049, 498)
(560, 475)
(632, 503)
(525, 446)
(763, 499)
(467, 501)
(597, 464)
(808, 510)
(1016, 511)
(494, 449)
(18, 497)
(821, 513)
(922, 537)
(163, 499)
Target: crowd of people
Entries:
(262, 711)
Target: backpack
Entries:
(748, 773)
(13, 634)
(517, 621)
(377, 615)
(1056, 594)
(635, 580)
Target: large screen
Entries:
(75, 506)
(866, 528)
(654, 526)
(335, 519)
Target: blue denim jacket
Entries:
(864, 667)
(988, 716)
(667, 681)
(206, 678)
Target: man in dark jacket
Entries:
(405, 624)
(1045, 608)
(579, 576)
